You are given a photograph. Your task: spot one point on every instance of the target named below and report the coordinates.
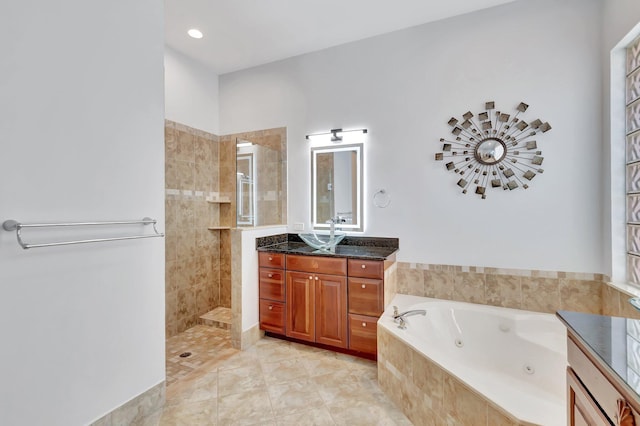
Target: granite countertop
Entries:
(366, 248)
(614, 341)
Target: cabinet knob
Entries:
(364, 266)
(270, 275)
(364, 286)
(310, 277)
(364, 324)
(270, 307)
(270, 258)
(316, 278)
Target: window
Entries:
(632, 90)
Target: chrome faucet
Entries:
(399, 318)
(332, 226)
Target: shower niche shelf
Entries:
(224, 207)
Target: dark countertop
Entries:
(366, 248)
(614, 341)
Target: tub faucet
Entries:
(400, 318)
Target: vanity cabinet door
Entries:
(272, 284)
(272, 316)
(366, 268)
(271, 260)
(300, 296)
(366, 296)
(583, 410)
(331, 310)
(362, 333)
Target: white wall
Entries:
(191, 92)
(405, 86)
(619, 18)
(81, 131)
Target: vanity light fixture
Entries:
(195, 33)
(336, 135)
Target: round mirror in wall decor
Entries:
(493, 149)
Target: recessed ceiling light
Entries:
(195, 33)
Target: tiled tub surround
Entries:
(539, 291)
(473, 365)
(192, 251)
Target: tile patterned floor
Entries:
(273, 383)
(206, 345)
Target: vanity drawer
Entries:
(271, 260)
(272, 316)
(272, 284)
(596, 382)
(362, 333)
(366, 296)
(366, 268)
(324, 265)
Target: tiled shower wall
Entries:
(192, 251)
(540, 291)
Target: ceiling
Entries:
(240, 34)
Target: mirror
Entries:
(261, 176)
(336, 187)
(490, 151)
(245, 189)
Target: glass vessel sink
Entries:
(322, 241)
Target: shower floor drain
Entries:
(185, 354)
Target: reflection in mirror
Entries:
(490, 151)
(245, 189)
(336, 187)
(260, 181)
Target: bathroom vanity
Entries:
(603, 376)
(330, 299)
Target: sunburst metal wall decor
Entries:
(493, 149)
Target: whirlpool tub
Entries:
(473, 364)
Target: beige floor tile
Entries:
(317, 366)
(198, 389)
(338, 386)
(275, 382)
(274, 349)
(240, 380)
(248, 408)
(314, 417)
(241, 359)
(201, 413)
(284, 370)
(360, 415)
(291, 397)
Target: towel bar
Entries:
(12, 225)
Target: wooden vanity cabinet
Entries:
(366, 303)
(272, 292)
(328, 300)
(594, 397)
(331, 310)
(301, 298)
(317, 302)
